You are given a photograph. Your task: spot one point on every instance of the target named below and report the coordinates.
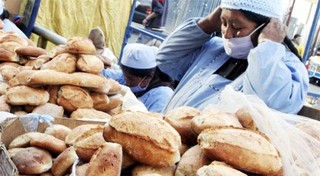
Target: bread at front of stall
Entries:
(106, 161)
(144, 170)
(80, 45)
(64, 161)
(89, 64)
(241, 148)
(49, 143)
(32, 161)
(73, 97)
(219, 168)
(89, 114)
(24, 95)
(49, 109)
(64, 62)
(147, 139)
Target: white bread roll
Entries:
(49, 109)
(180, 119)
(64, 161)
(79, 130)
(24, 95)
(62, 63)
(32, 160)
(213, 118)
(145, 138)
(80, 45)
(145, 170)
(106, 161)
(89, 64)
(219, 168)
(191, 161)
(242, 149)
(89, 114)
(59, 131)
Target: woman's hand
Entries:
(275, 31)
(212, 22)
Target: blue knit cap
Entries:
(268, 8)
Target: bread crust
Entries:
(24, 95)
(49, 109)
(80, 45)
(64, 161)
(65, 63)
(89, 64)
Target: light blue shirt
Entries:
(154, 100)
(191, 56)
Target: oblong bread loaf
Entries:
(219, 168)
(48, 142)
(89, 114)
(137, 130)
(24, 95)
(30, 51)
(11, 46)
(213, 118)
(241, 148)
(8, 56)
(59, 131)
(64, 161)
(23, 140)
(180, 119)
(21, 78)
(64, 62)
(90, 64)
(79, 130)
(80, 45)
(144, 170)
(49, 109)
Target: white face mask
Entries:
(239, 47)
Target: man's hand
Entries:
(212, 22)
(275, 31)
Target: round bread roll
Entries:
(214, 118)
(64, 161)
(32, 160)
(219, 168)
(180, 119)
(146, 139)
(30, 51)
(80, 45)
(241, 148)
(59, 131)
(79, 130)
(73, 97)
(23, 95)
(90, 64)
(49, 143)
(144, 170)
(106, 161)
(244, 117)
(191, 161)
(49, 109)
(64, 62)
(23, 140)
(89, 114)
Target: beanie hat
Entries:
(267, 8)
(139, 56)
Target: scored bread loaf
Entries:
(64, 161)
(241, 148)
(80, 45)
(219, 168)
(180, 119)
(79, 130)
(64, 62)
(24, 95)
(49, 109)
(89, 63)
(89, 114)
(147, 139)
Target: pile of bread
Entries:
(183, 142)
(64, 82)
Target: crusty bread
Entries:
(79, 130)
(37, 63)
(213, 118)
(59, 49)
(241, 148)
(49, 143)
(180, 119)
(89, 114)
(30, 51)
(80, 45)
(145, 170)
(72, 97)
(59, 131)
(12, 152)
(244, 117)
(4, 106)
(49, 109)
(191, 161)
(53, 92)
(64, 161)
(64, 62)
(106, 161)
(8, 56)
(21, 78)
(13, 37)
(100, 101)
(4, 87)
(23, 95)
(32, 160)
(137, 130)
(8, 72)
(89, 63)
(219, 168)
(114, 103)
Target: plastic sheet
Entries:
(298, 146)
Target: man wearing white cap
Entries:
(252, 56)
(139, 72)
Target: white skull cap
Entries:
(267, 8)
(139, 56)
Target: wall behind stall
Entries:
(70, 18)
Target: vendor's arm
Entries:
(181, 47)
(277, 76)
(156, 99)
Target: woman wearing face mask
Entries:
(139, 72)
(253, 55)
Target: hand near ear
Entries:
(275, 31)
(212, 22)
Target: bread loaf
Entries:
(11, 46)
(64, 161)
(80, 45)
(62, 63)
(144, 170)
(23, 140)
(23, 95)
(115, 102)
(8, 56)
(49, 109)
(37, 63)
(49, 143)
(72, 97)
(4, 106)
(90, 64)
(30, 51)
(21, 78)
(57, 50)
(13, 37)
(219, 168)
(89, 114)
(241, 148)
(79, 130)
(100, 101)
(4, 87)
(54, 93)
(106, 161)
(180, 119)
(32, 160)
(8, 72)
(12, 152)
(137, 130)
(59, 131)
